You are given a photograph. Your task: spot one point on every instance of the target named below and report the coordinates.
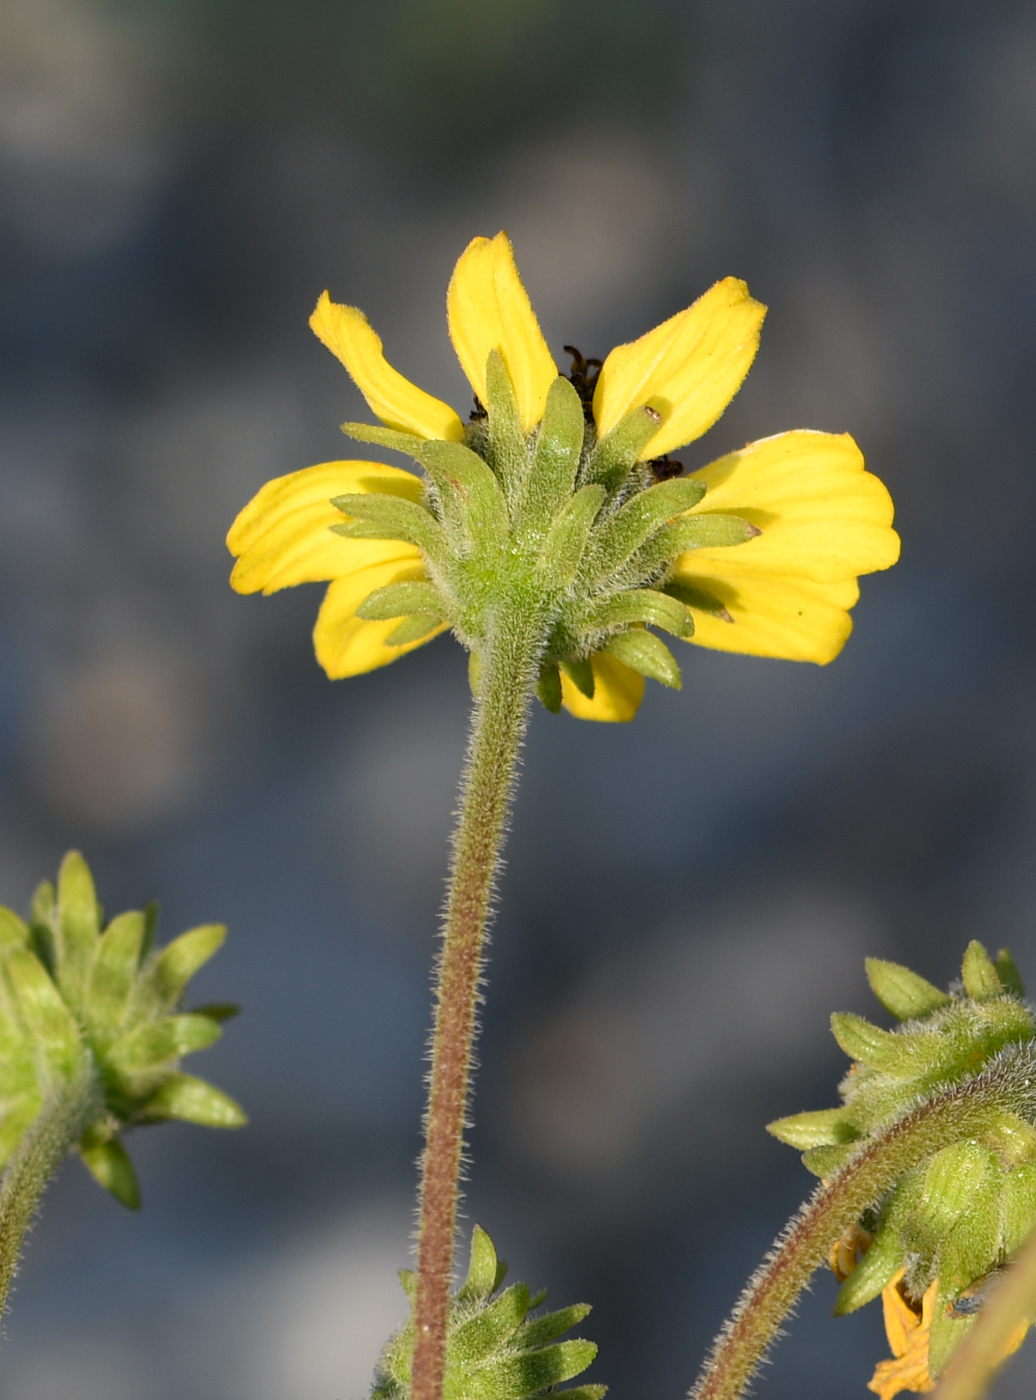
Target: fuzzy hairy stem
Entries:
(498, 725)
(964, 1111)
(57, 1126)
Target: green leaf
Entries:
(643, 605)
(581, 674)
(1007, 971)
(115, 969)
(194, 1101)
(110, 1166)
(48, 1019)
(481, 1279)
(641, 516)
(78, 927)
(904, 994)
(413, 629)
(615, 456)
(647, 654)
(401, 599)
(157, 1042)
(563, 549)
(979, 974)
(827, 1127)
(163, 983)
(556, 458)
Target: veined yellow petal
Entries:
(283, 536)
(618, 692)
(689, 367)
(773, 614)
(821, 514)
(399, 404)
(345, 644)
(488, 309)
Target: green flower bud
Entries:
(961, 1213)
(70, 990)
(495, 1350)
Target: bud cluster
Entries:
(77, 997)
(578, 532)
(494, 1349)
(961, 1214)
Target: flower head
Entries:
(935, 1241)
(559, 492)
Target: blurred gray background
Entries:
(687, 897)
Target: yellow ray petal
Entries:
(399, 404)
(689, 367)
(821, 514)
(773, 614)
(488, 309)
(618, 692)
(283, 537)
(345, 644)
(909, 1336)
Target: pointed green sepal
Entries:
(615, 456)
(14, 932)
(516, 1377)
(898, 1055)
(1007, 971)
(647, 654)
(400, 600)
(383, 517)
(538, 1331)
(491, 1326)
(413, 629)
(193, 1101)
(694, 597)
(506, 441)
(115, 970)
(904, 994)
(548, 687)
(163, 982)
(406, 443)
(482, 1277)
(51, 1025)
(217, 1010)
(109, 1164)
(155, 1043)
(556, 457)
(979, 973)
(563, 549)
(641, 516)
(827, 1127)
(473, 505)
(643, 605)
(826, 1161)
(581, 674)
(77, 927)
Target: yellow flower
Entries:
(809, 518)
(909, 1331)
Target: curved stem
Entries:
(498, 726)
(965, 1111)
(59, 1124)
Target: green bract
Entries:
(579, 529)
(965, 1210)
(494, 1349)
(72, 992)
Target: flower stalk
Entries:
(508, 669)
(964, 1111)
(53, 1134)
